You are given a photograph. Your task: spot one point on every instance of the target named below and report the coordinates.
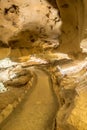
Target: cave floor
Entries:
(37, 110)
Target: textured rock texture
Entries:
(72, 13)
(38, 30)
(30, 24)
(29, 20)
(34, 26)
(72, 96)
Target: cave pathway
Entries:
(38, 110)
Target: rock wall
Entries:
(30, 24)
(73, 111)
(69, 82)
(72, 13)
(32, 27)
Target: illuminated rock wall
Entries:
(73, 17)
(33, 24)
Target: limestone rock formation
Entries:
(74, 29)
(72, 15)
(36, 25)
(30, 25)
(72, 95)
(46, 34)
(15, 82)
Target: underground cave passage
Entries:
(43, 65)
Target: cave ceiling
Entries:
(29, 26)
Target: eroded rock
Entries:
(72, 93)
(30, 27)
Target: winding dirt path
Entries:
(38, 110)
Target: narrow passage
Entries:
(37, 110)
